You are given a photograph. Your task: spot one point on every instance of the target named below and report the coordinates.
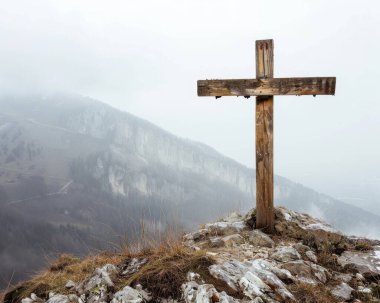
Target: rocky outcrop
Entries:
(240, 264)
(366, 263)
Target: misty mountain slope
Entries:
(103, 176)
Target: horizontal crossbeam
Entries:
(267, 87)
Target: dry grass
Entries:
(376, 291)
(162, 275)
(363, 245)
(60, 271)
(307, 293)
(167, 268)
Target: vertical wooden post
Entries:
(264, 140)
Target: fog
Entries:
(144, 57)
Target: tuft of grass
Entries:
(307, 293)
(376, 291)
(62, 262)
(363, 245)
(329, 260)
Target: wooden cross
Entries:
(265, 87)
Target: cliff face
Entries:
(130, 137)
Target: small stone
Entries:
(58, 299)
(359, 277)
(27, 300)
(232, 217)
(133, 266)
(225, 228)
(73, 298)
(258, 300)
(192, 276)
(199, 234)
(216, 242)
(311, 256)
(34, 297)
(224, 298)
(127, 295)
(70, 284)
(195, 293)
(145, 295)
(342, 277)
(301, 248)
(253, 286)
(364, 290)
(307, 272)
(342, 291)
(232, 240)
(285, 254)
(108, 268)
(258, 238)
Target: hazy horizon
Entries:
(145, 58)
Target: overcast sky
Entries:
(145, 57)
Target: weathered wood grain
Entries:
(264, 140)
(268, 86)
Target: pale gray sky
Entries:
(145, 57)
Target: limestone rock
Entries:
(70, 284)
(144, 294)
(58, 299)
(311, 256)
(98, 283)
(225, 228)
(216, 242)
(307, 272)
(365, 263)
(342, 277)
(285, 254)
(342, 291)
(301, 248)
(232, 240)
(195, 293)
(133, 266)
(234, 273)
(127, 295)
(196, 235)
(359, 277)
(258, 238)
(253, 286)
(364, 290)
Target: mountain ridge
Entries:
(99, 174)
